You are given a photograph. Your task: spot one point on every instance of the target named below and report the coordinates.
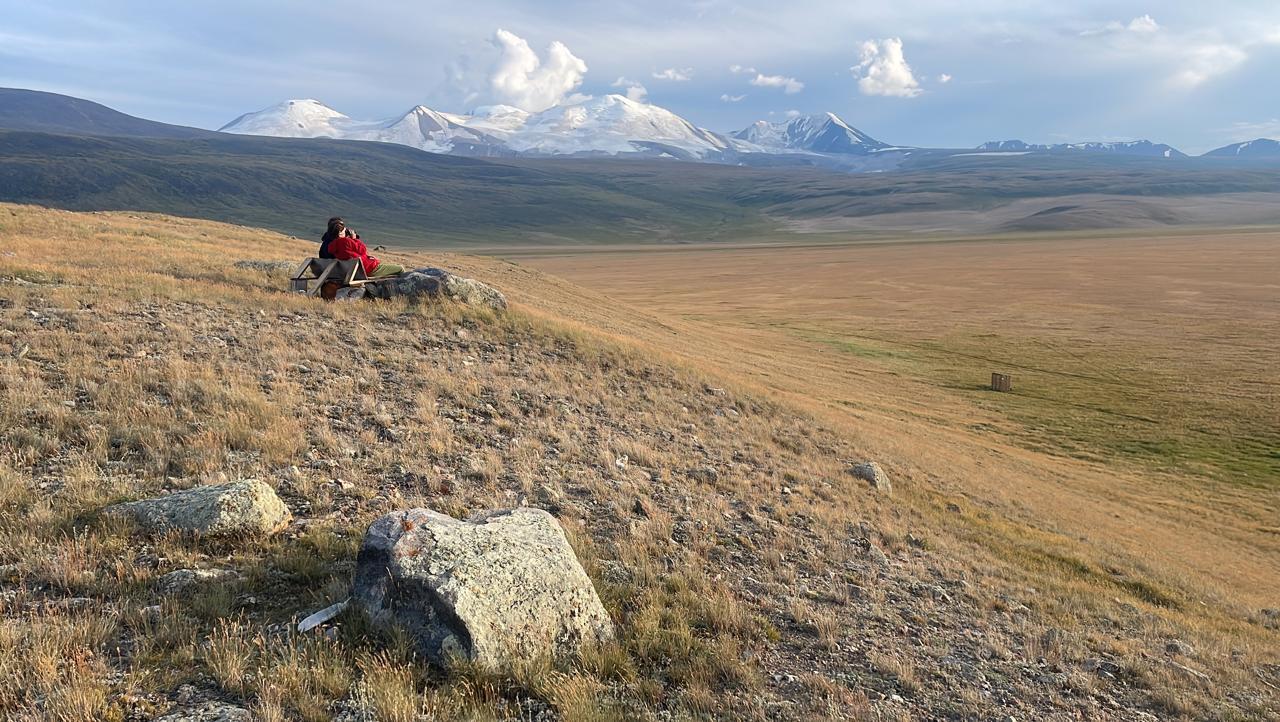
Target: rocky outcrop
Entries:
(870, 472)
(500, 588)
(239, 508)
(438, 283)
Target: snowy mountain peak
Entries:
(302, 118)
(821, 133)
(607, 124)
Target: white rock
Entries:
(248, 508)
(871, 472)
(500, 588)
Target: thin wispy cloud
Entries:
(1206, 62)
(1141, 25)
(790, 86)
(674, 74)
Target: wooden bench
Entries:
(315, 272)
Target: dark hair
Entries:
(332, 232)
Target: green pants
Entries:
(386, 269)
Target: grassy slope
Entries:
(400, 195)
(735, 599)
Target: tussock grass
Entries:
(137, 380)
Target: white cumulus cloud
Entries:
(790, 86)
(525, 81)
(884, 70)
(677, 74)
(944, 78)
(732, 98)
(634, 90)
(1143, 24)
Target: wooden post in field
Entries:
(1001, 382)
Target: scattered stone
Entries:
(870, 472)
(209, 712)
(239, 508)
(500, 588)
(268, 266)
(179, 580)
(705, 474)
(874, 553)
(1179, 648)
(438, 283)
(953, 508)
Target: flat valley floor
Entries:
(1143, 431)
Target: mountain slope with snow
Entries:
(607, 125)
(1132, 147)
(822, 133)
(1260, 148)
(421, 127)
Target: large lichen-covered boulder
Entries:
(238, 508)
(438, 283)
(500, 588)
(870, 472)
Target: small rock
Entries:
(705, 474)
(179, 580)
(875, 554)
(871, 472)
(1179, 648)
(248, 508)
(209, 712)
(267, 266)
(953, 508)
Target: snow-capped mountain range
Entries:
(1132, 147)
(614, 125)
(605, 125)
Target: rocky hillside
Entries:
(750, 573)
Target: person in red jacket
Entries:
(347, 245)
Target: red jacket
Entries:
(344, 249)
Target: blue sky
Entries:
(920, 72)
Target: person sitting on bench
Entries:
(344, 243)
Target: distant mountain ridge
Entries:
(607, 125)
(823, 133)
(51, 113)
(1132, 147)
(1259, 148)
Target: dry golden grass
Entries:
(714, 513)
